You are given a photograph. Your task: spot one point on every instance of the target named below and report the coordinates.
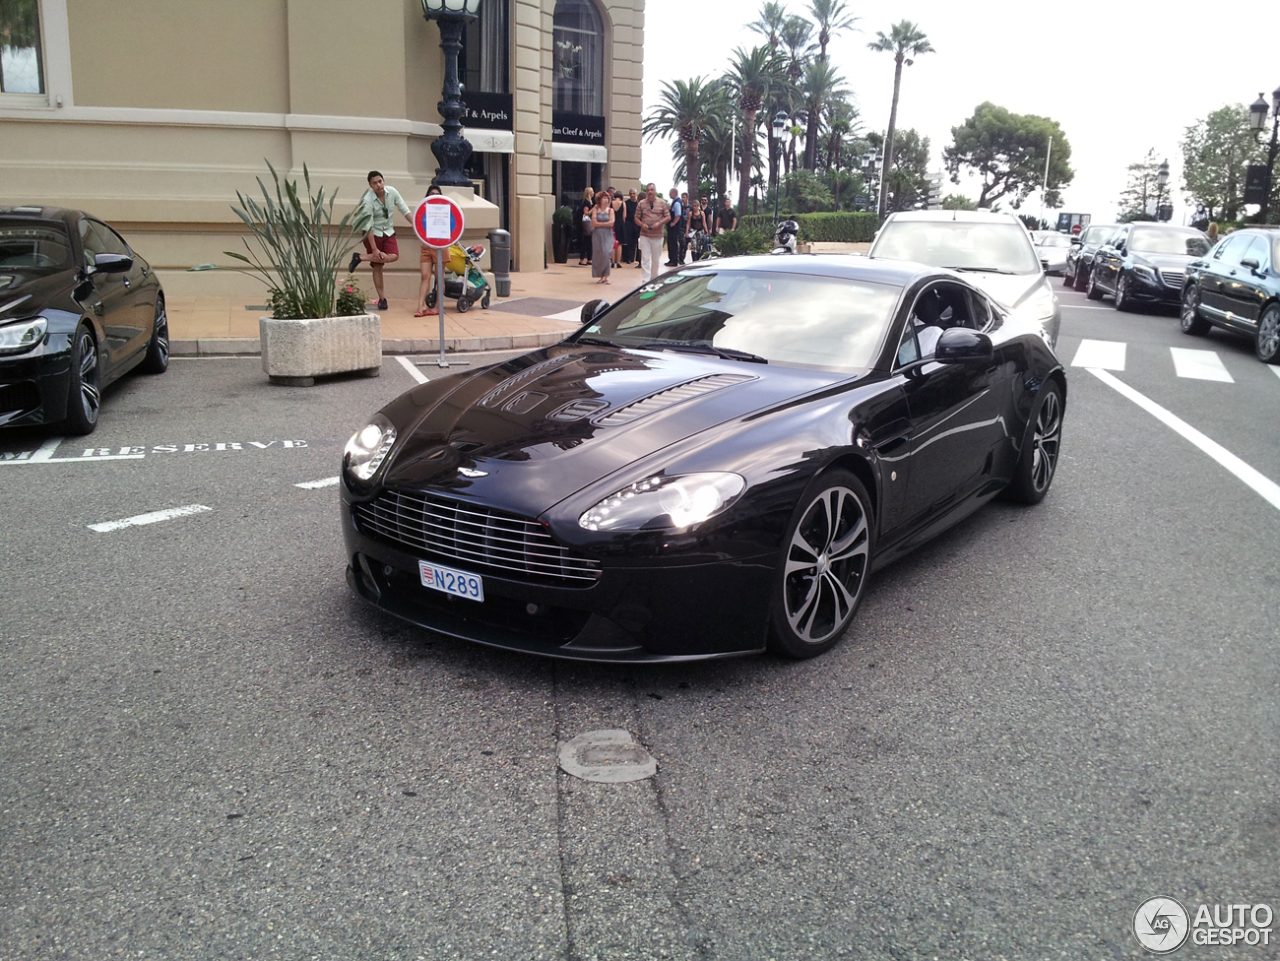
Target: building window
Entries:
(21, 62)
(486, 50)
(578, 86)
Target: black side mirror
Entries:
(960, 345)
(592, 309)
(112, 263)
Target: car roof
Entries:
(36, 212)
(896, 273)
(943, 216)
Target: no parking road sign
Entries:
(438, 221)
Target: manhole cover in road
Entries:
(610, 757)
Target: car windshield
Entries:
(1185, 242)
(752, 315)
(1053, 240)
(34, 246)
(998, 246)
(1097, 235)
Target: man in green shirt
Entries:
(378, 204)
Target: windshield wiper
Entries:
(700, 347)
(982, 270)
(596, 342)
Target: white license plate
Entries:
(449, 581)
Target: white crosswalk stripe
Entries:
(1274, 369)
(1200, 365)
(1100, 354)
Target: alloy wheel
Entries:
(1268, 345)
(826, 565)
(90, 393)
(1122, 293)
(162, 334)
(1189, 316)
(1046, 440)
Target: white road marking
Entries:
(46, 450)
(573, 315)
(154, 517)
(1085, 307)
(1199, 365)
(1274, 369)
(408, 365)
(316, 485)
(1268, 489)
(1104, 354)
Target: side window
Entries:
(1229, 251)
(908, 352)
(90, 241)
(936, 308)
(981, 311)
(1259, 251)
(109, 240)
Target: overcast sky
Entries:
(1119, 78)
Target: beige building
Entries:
(152, 113)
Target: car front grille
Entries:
(1173, 278)
(477, 538)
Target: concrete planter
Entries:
(296, 352)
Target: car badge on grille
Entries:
(469, 472)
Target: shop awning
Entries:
(490, 141)
(580, 153)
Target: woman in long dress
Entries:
(602, 221)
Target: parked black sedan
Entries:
(1083, 248)
(1145, 263)
(1237, 287)
(712, 465)
(78, 309)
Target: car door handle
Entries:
(97, 309)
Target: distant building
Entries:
(152, 115)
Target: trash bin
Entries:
(500, 260)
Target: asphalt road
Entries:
(211, 749)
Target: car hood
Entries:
(1010, 289)
(528, 433)
(23, 293)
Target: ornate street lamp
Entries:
(452, 150)
(1258, 121)
(781, 123)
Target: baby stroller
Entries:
(463, 280)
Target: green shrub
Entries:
(743, 240)
(351, 299)
(562, 216)
(840, 228)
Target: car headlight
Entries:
(15, 338)
(368, 448)
(665, 503)
(1146, 273)
(1038, 307)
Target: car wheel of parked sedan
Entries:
(1091, 288)
(1039, 460)
(157, 359)
(824, 566)
(1189, 316)
(1268, 343)
(1123, 300)
(85, 396)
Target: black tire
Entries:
(1040, 448)
(84, 396)
(1123, 300)
(157, 359)
(484, 301)
(1091, 289)
(431, 299)
(1267, 343)
(463, 304)
(1069, 279)
(814, 599)
(1189, 313)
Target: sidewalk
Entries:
(543, 307)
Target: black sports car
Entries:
(711, 466)
(1145, 263)
(78, 309)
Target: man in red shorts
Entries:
(379, 203)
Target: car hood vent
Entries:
(669, 398)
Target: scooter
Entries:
(784, 237)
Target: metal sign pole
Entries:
(427, 227)
(440, 252)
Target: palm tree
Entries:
(769, 23)
(841, 122)
(905, 41)
(822, 83)
(684, 109)
(831, 18)
(752, 74)
(795, 35)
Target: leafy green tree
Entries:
(683, 111)
(909, 175)
(1215, 152)
(1008, 151)
(752, 74)
(905, 41)
(1142, 189)
(830, 17)
(957, 202)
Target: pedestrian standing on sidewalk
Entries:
(602, 220)
(630, 232)
(619, 213)
(379, 203)
(584, 215)
(652, 215)
(427, 264)
(685, 209)
(675, 225)
(726, 217)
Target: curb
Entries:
(252, 347)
